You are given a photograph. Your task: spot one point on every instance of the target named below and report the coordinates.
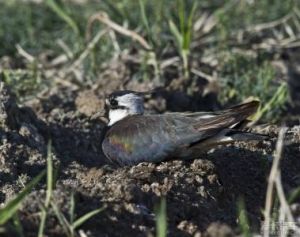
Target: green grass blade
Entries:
(12, 207)
(18, 226)
(243, 219)
(181, 14)
(49, 191)
(49, 175)
(161, 219)
(72, 208)
(279, 96)
(63, 15)
(144, 17)
(85, 217)
(116, 12)
(189, 30)
(62, 220)
(42, 223)
(159, 12)
(72, 213)
(294, 195)
(178, 37)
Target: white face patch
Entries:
(116, 115)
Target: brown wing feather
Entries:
(229, 117)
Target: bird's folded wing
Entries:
(154, 137)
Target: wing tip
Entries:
(254, 103)
(250, 106)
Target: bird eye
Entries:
(113, 102)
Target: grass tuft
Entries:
(244, 77)
(70, 226)
(13, 206)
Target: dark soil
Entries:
(201, 194)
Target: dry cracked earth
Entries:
(201, 194)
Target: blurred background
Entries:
(203, 55)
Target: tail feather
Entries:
(228, 136)
(246, 136)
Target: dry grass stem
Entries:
(25, 54)
(271, 182)
(286, 221)
(103, 17)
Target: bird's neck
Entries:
(119, 114)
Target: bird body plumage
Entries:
(154, 138)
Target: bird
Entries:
(132, 136)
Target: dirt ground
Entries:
(201, 194)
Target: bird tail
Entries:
(243, 110)
(236, 135)
(228, 136)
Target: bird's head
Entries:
(121, 104)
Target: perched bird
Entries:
(132, 137)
